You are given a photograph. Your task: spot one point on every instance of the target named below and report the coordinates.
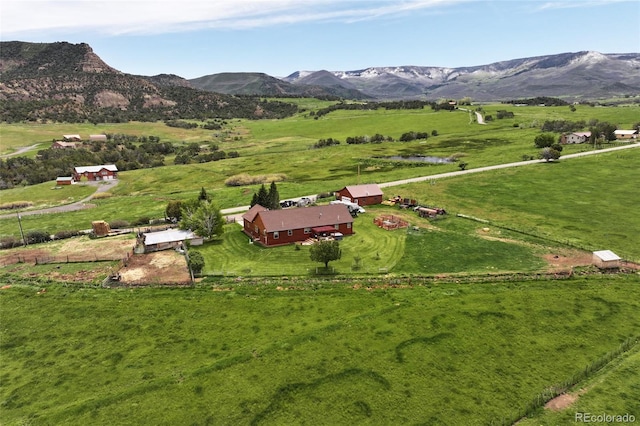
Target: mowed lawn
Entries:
(423, 248)
(307, 353)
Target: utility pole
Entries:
(24, 241)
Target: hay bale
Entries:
(100, 228)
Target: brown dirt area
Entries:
(163, 267)
(564, 401)
(568, 259)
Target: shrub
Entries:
(244, 179)
(101, 195)
(144, 220)
(118, 224)
(196, 261)
(16, 205)
(35, 237)
(9, 242)
(61, 235)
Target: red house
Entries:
(278, 227)
(104, 172)
(363, 195)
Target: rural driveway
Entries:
(235, 213)
(20, 151)
(102, 186)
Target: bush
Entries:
(244, 179)
(35, 237)
(101, 195)
(9, 242)
(61, 235)
(16, 205)
(196, 261)
(144, 220)
(118, 224)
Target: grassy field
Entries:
(372, 250)
(314, 353)
(613, 391)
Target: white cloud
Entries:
(116, 17)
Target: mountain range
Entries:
(572, 76)
(69, 82)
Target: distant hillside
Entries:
(69, 82)
(573, 76)
(264, 85)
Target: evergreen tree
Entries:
(203, 195)
(263, 197)
(273, 197)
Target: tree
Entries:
(325, 252)
(549, 154)
(188, 210)
(173, 212)
(262, 197)
(273, 197)
(196, 261)
(207, 221)
(544, 140)
(203, 195)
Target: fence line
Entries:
(41, 260)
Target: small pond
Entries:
(421, 158)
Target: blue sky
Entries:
(192, 38)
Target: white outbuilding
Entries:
(606, 259)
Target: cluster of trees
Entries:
(127, 152)
(550, 148)
(563, 126)
(201, 153)
(540, 100)
(269, 199)
(377, 138)
(322, 143)
(199, 215)
(364, 106)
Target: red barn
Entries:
(104, 172)
(278, 227)
(363, 195)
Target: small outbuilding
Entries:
(169, 239)
(64, 180)
(362, 195)
(606, 259)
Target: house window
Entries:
(307, 230)
(349, 225)
(290, 232)
(336, 226)
(256, 228)
(276, 235)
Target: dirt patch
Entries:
(565, 261)
(164, 267)
(561, 402)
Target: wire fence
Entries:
(76, 258)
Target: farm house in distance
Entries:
(104, 172)
(278, 227)
(363, 195)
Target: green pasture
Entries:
(613, 391)
(586, 202)
(314, 352)
(46, 194)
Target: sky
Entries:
(194, 38)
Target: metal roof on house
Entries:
(95, 169)
(253, 211)
(606, 255)
(625, 132)
(368, 190)
(305, 217)
(168, 236)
